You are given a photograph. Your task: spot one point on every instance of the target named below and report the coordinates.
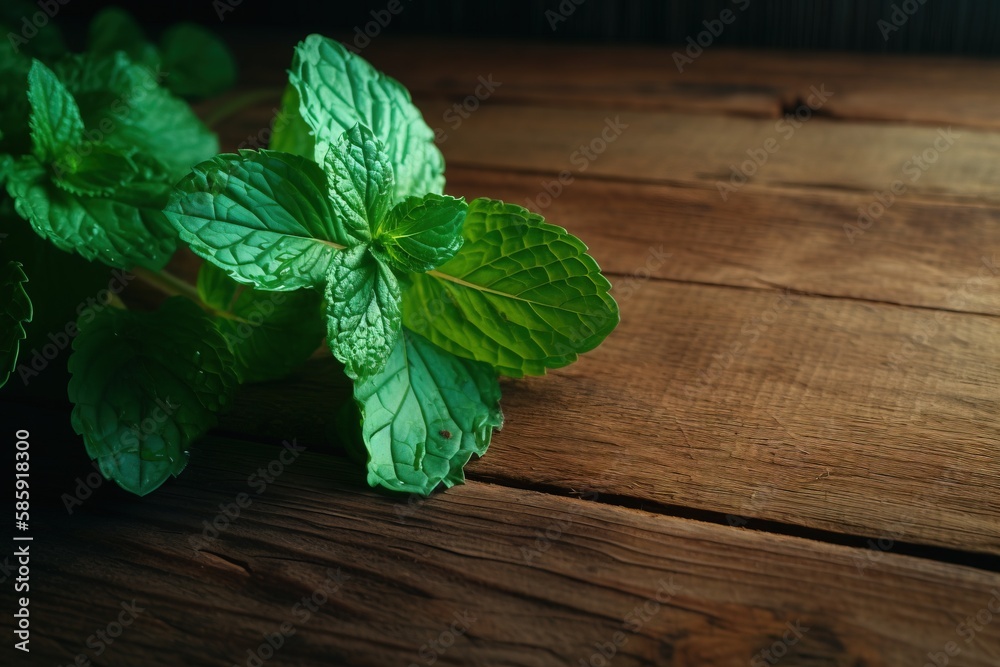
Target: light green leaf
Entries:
(425, 414)
(521, 295)
(125, 105)
(144, 386)
(15, 312)
(199, 63)
(291, 134)
(55, 119)
(360, 182)
(339, 89)
(270, 333)
(123, 229)
(421, 233)
(363, 318)
(264, 217)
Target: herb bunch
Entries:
(340, 230)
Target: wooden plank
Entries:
(760, 83)
(827, 413)
(756, 83)
(526, 579)
(710, 151)
(675, 148)
(918, 252)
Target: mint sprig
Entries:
(342, 226)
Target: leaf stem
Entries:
(171, 285)
(168, 284)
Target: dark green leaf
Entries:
(125, 105)
(19, 31)
(94, 169)
(123, 229)
(114, 29)
(15, 311)
(425, 414)
(145, 385)
(521, 295)
(55, 122)
(199, 63)
(270, 333)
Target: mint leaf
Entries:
(421, 233)
(144, 386)
(339, 89)
(124, 228)
(15, 311)
(124, 104)
(521, 295)
(360, 182)
(269, 333)
(262, 216)
(55, 119)
(114, 29)
(18, 18)
(425, 414)
(363, 318)
(94, 169)
(15, 110)
(291, 134)
(199, 63)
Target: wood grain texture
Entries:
(676, 148)
(910, 89)
(919, 252)
(852, 417)
(925, 90)
(538, 580)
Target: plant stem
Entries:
(168, 284)
(171, 285)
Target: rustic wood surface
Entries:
(796, 422)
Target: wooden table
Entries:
(786, 453)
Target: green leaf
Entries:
(123, 229)
(421, 233)
(291, 134)
(94, 169)
(123, 104)
(15, 111)
(262, 216)
(425, 414)
(360, 182)
(270, 333)
(521, 295)
(199, 63)
(144, 386)
(55, 121)
(339, 89)
(363, 317)
(114, 29)
(15, 311)
(17, 20)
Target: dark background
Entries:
(937, 26)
